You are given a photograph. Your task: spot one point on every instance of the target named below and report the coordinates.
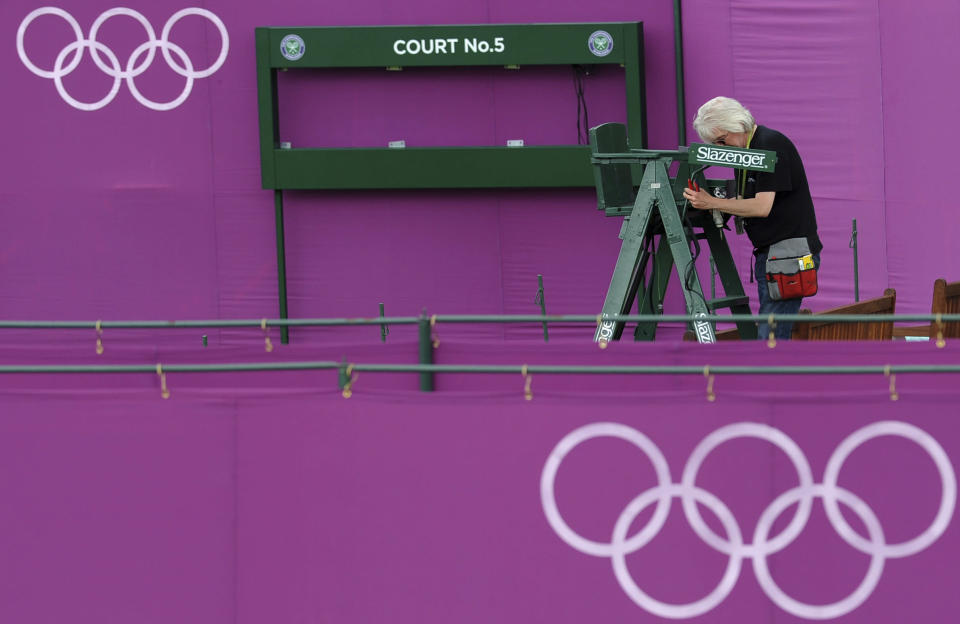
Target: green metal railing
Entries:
(428, 341)
(501, 369)
(436, 319)
(347, 371)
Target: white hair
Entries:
(719, 115)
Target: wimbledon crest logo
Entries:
(600, 43)
(292, 47)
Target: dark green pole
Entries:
(342, 378)
(856, 262)
(678, 55)
(384, 328)
(539, 299)
(281, 264)
(426, 351)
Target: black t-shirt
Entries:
(792, 213)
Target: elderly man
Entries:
(775, 206)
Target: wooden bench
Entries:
(859, 330)
(946, 300)
(838, 330)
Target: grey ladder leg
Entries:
(626, 276)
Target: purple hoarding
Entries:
(253, 496)
(132, 191)
(130, 212)
(268, 496)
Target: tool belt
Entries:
(791, 272)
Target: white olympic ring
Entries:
(567, 444)
(763, 432)
(620, 549)
(114, 68)
(762, 546)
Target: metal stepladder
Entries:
(655, 225)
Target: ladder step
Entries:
(728, 302)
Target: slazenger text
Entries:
(605, 332)
(704, 330)
(742, 159)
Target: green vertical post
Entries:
(342, 378)
(426, 351)
(384, 328)
(856, 266)
(267, 107)
(281, 264)
(635, 88)
(678, 62)
(539, 299)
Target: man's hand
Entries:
(699, 198)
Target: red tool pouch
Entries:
(791, 272)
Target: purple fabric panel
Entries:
(566, 240)
(708, 70)
(368, 108)
(411, 254)
(919, 44)
(129, 253)
(130, 213)
(427, 506)
(707, 60)
(811, 70)
(657, 18)
(413, 250)
(194, 261)
(104, 211)
(430, 511)
(441, 107)
(126, 212)
(117, 507)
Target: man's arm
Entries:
(755, 207)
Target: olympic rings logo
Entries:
(182, 65)
(763, 544)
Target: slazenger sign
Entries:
(722, 156)
(605, 331)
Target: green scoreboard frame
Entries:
(394, 47)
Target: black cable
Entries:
(696, 245)
(586, 117)
(583, 129)
(690, 267)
